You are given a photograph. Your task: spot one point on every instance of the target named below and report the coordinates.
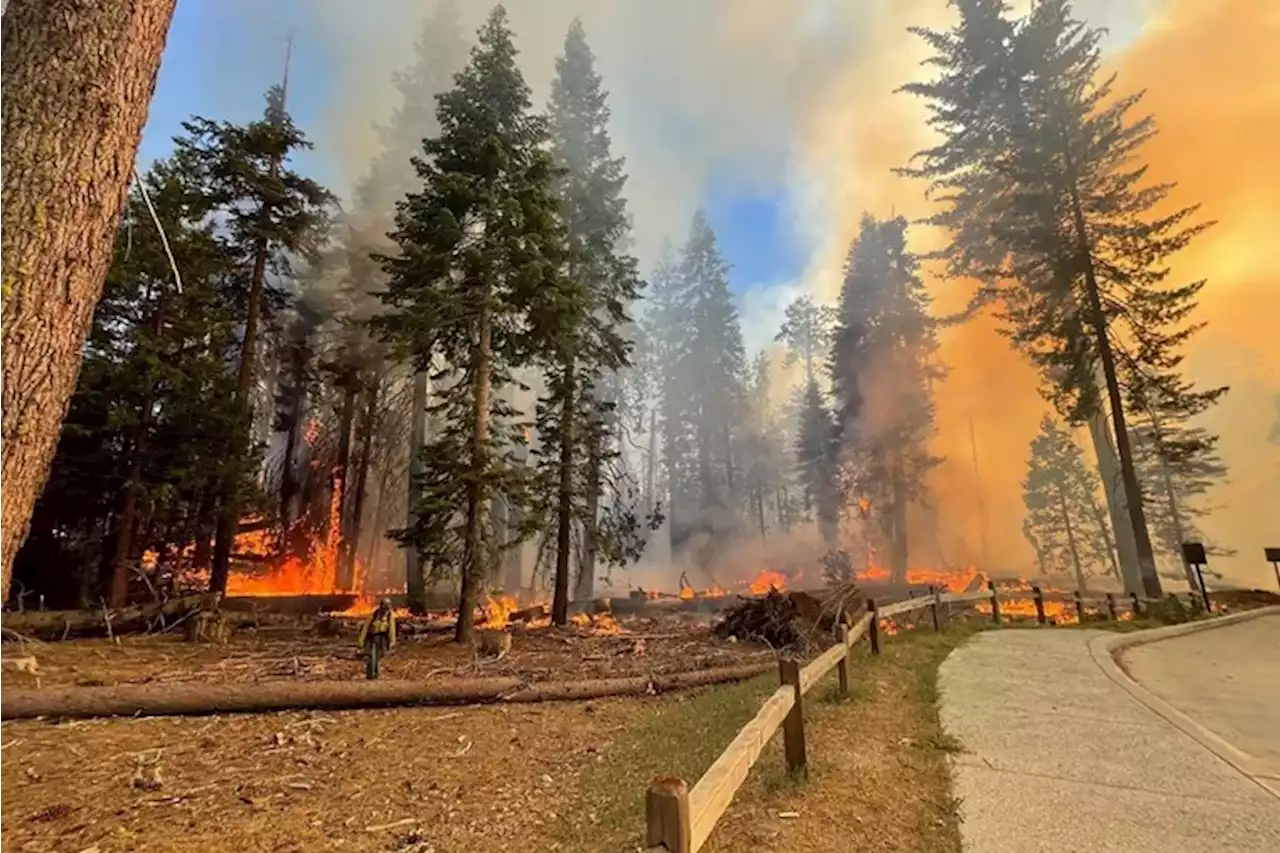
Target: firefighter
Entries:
(379, 634)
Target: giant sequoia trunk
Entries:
(78, 79)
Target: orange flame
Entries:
(766, 581)
(498, 611)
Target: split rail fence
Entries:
(680, 818)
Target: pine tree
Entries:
(816, 452)
(271, 214)
(1051, 202)
(806, 332)
(714, 360)
(439, 53)
(78, 79)
(1177, 461)
(668, 327)
(883, 363)
(479, 244)
(1064, 523)
(590, 318)
(760, 445)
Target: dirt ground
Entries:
(646, 645)
(481, 778)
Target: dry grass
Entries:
(878, 777)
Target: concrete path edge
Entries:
(1104, 649)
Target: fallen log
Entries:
(53, 624)
(129, 700)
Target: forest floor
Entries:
(555, 776)
(648, 645)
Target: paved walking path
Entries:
(1059, 757)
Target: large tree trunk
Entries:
(78, 79)
(473, 560)
(414, 565)
(339, 478)
(564, 509)
(1128, 474)
(1117, 510)
(351, 542)
(229, 514)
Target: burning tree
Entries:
(882, 365)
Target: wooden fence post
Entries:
(666, 811)
(1039, 599)
(1135, 604)
(935, 608)
(842, 668)
(1111, 607)
(995, 602)
(1079, 606)
(873, 630)
(793, 725)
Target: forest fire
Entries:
(766, 581)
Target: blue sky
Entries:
(217, 67)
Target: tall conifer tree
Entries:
(479, 245)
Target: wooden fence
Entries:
(680, 819)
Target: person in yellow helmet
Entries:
(378, 633)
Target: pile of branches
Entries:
(770, 619)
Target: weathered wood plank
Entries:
(712, 794)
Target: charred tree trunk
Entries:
(339, 479)
(473, 558)
(414, 565)
(229, 514)
(651, 465)
(564, 509)
(351, 542)
(78, 79)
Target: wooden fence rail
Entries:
(680, 819)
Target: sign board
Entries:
(1193, 553)
(1273, 555)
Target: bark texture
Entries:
(78, 78)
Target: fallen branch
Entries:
(172, 699)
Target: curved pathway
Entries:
(1059, 756)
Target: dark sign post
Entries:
(1273, 557)
(1193, 553)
